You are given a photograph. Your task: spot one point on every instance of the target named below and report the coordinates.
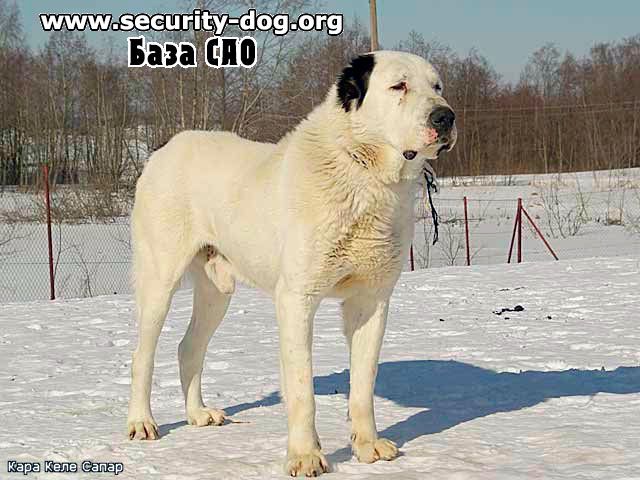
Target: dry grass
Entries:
(69, 205)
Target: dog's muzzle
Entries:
(442, 119)
(440, 131)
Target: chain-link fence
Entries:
(577, 224)
(92, 253)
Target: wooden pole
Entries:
(49, 241)
(373, 14)
(466, 231)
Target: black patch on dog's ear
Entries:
(354, 81)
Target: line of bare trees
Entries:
(94, 121)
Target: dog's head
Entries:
(397, 98)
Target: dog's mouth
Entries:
(411, 154)
(444, 148)
(433, 149)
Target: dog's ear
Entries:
(354, 81)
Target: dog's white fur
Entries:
(325, 212)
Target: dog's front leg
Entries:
(295, 321)
(365, 318)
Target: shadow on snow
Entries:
(452, 393)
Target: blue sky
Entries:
(504, 31)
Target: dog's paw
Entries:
(310, 465)
(372, 451)
(204, 416)
(143, 429)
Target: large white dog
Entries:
(326, 212)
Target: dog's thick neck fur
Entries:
(357, 175)
(355, 151)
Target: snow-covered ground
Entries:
(552, 391)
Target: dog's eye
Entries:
(437, 87)
(400, 87)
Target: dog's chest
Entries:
(370, 248)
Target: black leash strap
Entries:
(431, 184)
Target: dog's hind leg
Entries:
(209, 307)
(155, 283)
(365, 319)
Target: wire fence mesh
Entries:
(581, 224)
(92, 251)
(91, 254)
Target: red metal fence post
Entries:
(466, 230)
(513, 235)
(411, 258)
(533, 224)
(519, 230)
(50, 243)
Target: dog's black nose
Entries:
(442, 119)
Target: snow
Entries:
(552, 391)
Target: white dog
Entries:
(326, 212)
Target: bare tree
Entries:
(95, 121)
